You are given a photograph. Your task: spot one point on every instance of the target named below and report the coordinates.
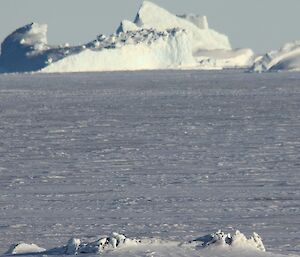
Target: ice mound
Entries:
(201, 37)
(237, 240)
(26, 49)
(23, 248)
(76, 246)
(120, 244)
(285, 59)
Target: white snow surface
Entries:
(286, 58)
(201, 37)
(162, 155)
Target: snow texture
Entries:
(286, 58)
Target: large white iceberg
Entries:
(156, 39)
(286, 58)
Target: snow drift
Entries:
(286, 58)
(219, 244)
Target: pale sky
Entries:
(259, 24)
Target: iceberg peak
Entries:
(201, 36)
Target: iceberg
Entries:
(287, 58)
(20, 51)
(156, 39)
(23, 248)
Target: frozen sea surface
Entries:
(166, 154)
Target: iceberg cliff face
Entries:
(201, 37)
(200, 21)
(285, 59)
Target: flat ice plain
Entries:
(165, 154)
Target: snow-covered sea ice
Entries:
(164, 157)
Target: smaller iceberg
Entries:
(225, 59)
(22, 248)
(237, 240)
(286, 58)
(76, 246)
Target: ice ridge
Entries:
(118, 241)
